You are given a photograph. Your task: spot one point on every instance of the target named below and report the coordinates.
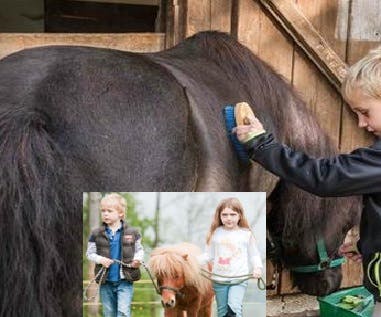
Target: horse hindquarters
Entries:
(37, 227)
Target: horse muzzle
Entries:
(169, 303)
(168, 296)
(320, 283)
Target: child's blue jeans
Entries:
(116, 298)
(229, 295)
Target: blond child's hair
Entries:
(364, 75)
(114, 201)
(235, 205)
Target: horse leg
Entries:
(181, 313)
(206, 304)
(194, 311)
(205, 311)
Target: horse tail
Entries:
(31, 216)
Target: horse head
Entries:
(178, 277)
(171, 285)
(306, 233)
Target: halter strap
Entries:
(324, 261)
(177, 291)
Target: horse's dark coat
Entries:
(76, 119)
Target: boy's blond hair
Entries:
(116, 202)
(365, 75)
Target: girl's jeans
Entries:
(116, 298)
(229, 295)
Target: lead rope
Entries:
(101, 273)
(376, 262)
(242, 278)
(150, 276)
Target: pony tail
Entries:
(32, 217)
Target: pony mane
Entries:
(169, 261)
(274, 100)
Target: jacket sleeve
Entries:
(208, 255)
(356, 173)
(139, 250)
(91, 252)
(254, 254)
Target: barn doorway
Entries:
(82, 16)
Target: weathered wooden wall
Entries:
(350, 27)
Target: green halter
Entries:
(325, 261)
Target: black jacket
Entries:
(357, 173)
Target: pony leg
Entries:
(181, 313)
(193, 312)
(206, 311)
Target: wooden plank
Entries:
(134, 42)
(306, 36)
(138, 2)
(255, 30)
(172, 32)
(365, 21)
(198, 16)
(321, 98)
(221, 15)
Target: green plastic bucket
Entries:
(331, 305)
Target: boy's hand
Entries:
(135, 264)
(349, 250)
(247, 132)
(257, 273)
(106, 262)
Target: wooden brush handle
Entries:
(243, 113)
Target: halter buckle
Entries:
(324, 264)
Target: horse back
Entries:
(121, 121)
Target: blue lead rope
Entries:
(230, 123)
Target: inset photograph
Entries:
(157, 254)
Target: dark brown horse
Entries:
(76, 119)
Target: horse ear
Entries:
(185, 257)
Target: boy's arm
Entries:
(348, 174)
(139, 250)
(91, 252)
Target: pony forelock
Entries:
(181, 259)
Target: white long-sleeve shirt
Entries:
(232, 253)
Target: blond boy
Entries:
(116, 248)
